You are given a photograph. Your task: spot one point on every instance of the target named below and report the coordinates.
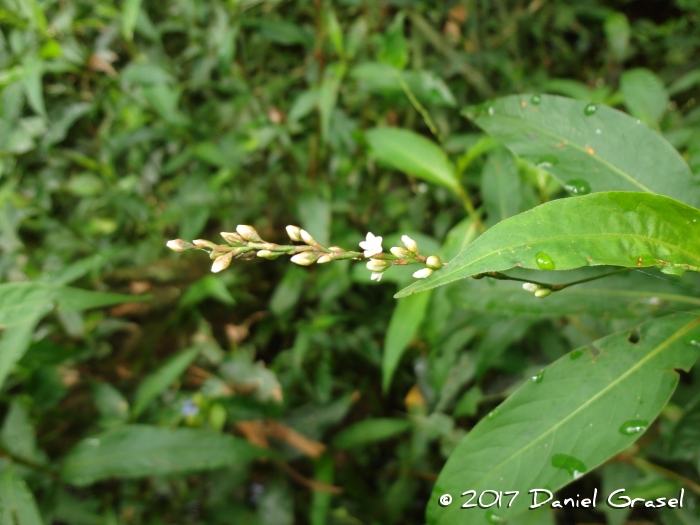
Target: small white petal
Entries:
(422, 274)
(376, 276)
(530, 287)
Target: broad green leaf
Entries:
(156, 383)
(500, 186)
(588, 147)
(328, 96)
(112, 405)
(18, 434)
(645, 95)
(17, 504)
(33, 73)
(575, 414)
(403, 326)
(369, 431)
(16, 338)
(130, 12)
(394, 50)
(134, 451)
(209, 286)
(628, 229)
(617, 31)
(412, 154)
(685, 82)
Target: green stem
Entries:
(469, 207)
(554, 287)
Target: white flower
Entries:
(410, 244)
(530, 287)
(372, 245)
(376, 276)
(422, 274)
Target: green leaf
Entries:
(581, 410)
(18, 435)
(645, 95)
(130, 13)
(112, 405)
(134, 451)
(17, 504)
(335, 32)
(617, 31)
(209, 286)
(33, 73)
(500, 186)
(16, 338)
(369, 431)
(627, 229)
(403, 326)
(394, 49)
(328, 96)
(588, 148)
(412, 154)
(156, 383)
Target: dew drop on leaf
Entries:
(576, 354)
(547, 161)
(544, 261)
(536, 100)
(492, 414)
(573, 466)
(578, 187)
(537, 378)
(693, 342)
(491, 517)
(633, 427)
(590, 109)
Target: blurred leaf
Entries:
(16, 338)
(617, 32)
(321, 500)
(685, 82)
(468, 404)
(335, 32)
(208, 287)
(130, 12)
(412, 154)
(303, 105)
(112, 405)
(145, 74)
(59, 129)
(155, 384)
(394, 50)
(33, 73)
(500, 186)
(288, 291)
(285, 33)
(628, 229)
(328, 95)
(164, 100)
(18, 436)
(645, 95)
(249, 377)
(405, 322)
(559, 426)
(315, 215)
(588, 147)
(17, 505)
(134, 451)
(369, 431)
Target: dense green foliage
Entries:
(139, 388)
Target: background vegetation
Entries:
(123, 126)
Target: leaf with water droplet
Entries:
(564, 422)
(536, 100)
(538, 377)
(632, 158)
(633, 427)
(492, 517)
(578, 187)
(593, 230)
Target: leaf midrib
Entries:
(651, 355)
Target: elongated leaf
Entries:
(645, 95)
(16, 338)
(134, 451)
(156, 383)
(616, 228)
(575, 414)
(588, 147)
(370, 430)
(500, 186)
(412, 154)
(130, 12)
(17, 505)
(405, 321)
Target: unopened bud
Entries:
(543, 292)
(178, 245)
(203, 243)
(233, 238)
(221, 262)
(305, 258)
(267, 254)
(378, 265)
(433, 262)
(400, 252)
(324, 259)
(422, 274)
(410, 244)
(530, 287)
(294, 233)
(306, 237)
(336, 249)
(248, 233)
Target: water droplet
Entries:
(536, 100)
(490, 111)
(590, 109)
(492, 414)
(633, 427)
(598, 132)
(93, 442)
(578, 187)
(544, 261)
(576, 354)
(547, 161)
(491, 517)
(537, 378)
(693, 342)
(572, 465)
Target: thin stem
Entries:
(554, 287)
(469, 207)
(646, 465)
(419, 107)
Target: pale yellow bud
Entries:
(410, 244)
(294, 233)
(248, 233)
(422, 274)
(400, 252)
(306, 237)
(305, 258)
(433, 262)
(178, 245)
(324, 259)
(221, 262)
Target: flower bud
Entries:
(294, 233)
(248, 233)
(410, 244)
(543, 292)
(221, 262)
(178, 245)
(400, 252)
(233, 238)
(203, 243)
(305, 258)
(422, 274)
(336, 249)
(306, 237)
(377, 265)
(433, 262)
(530, 287)
(267, 254)
(324, 259)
